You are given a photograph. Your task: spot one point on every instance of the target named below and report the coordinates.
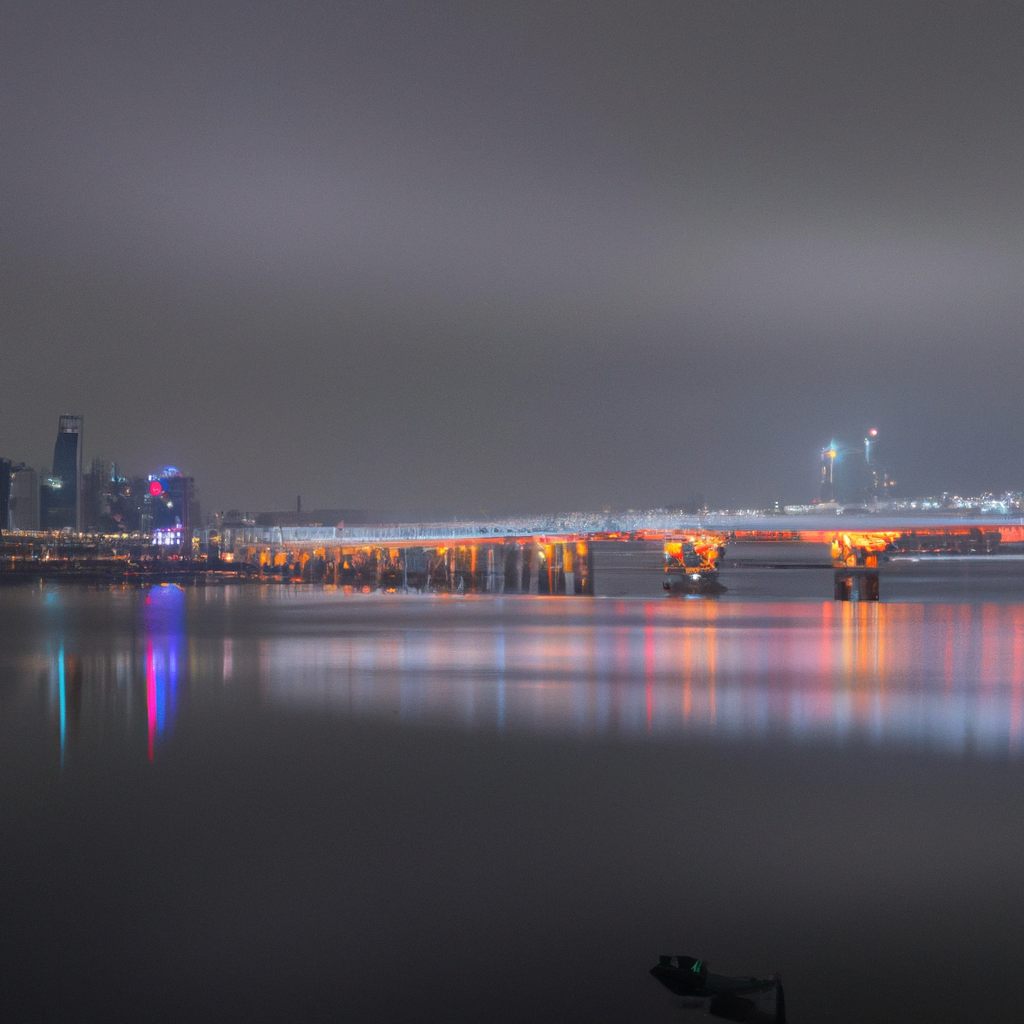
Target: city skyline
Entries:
(101, 500)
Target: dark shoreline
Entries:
(135, 575)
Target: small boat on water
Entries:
(750, 1000)
(691, 567)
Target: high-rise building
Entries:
(5, 494)
(24, 498)
(173, 508)
(97, 497)
(61, 493)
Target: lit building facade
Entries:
(172, 509)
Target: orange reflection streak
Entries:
(881, 636)
(712, 643)
(826, 654)
(649, 664)
(847, 635)
(864, 633)
(859, 663)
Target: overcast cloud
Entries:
(557, 255)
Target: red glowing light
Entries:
(874, 433)
(156, 488)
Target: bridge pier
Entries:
(495, 576)
(856, 586)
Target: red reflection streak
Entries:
(1017, 697)
(989, 647)
(963, 642)
(150, 695)
(948, 665)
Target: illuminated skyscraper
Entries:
(62, 494)
(172, 507)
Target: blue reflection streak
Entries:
(63, 702)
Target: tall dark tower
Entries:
(67, 467)
(5, 495)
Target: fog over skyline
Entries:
(551, 256)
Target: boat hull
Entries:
(682, 582)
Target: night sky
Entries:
(492, 257)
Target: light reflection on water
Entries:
(937, 675)
(947, 675)
(165, 645)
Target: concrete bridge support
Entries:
(494, 566)
(856, 586)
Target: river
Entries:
(296, 803)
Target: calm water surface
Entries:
(288, 803)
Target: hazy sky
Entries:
(531, 255)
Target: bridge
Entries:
(553, 554)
